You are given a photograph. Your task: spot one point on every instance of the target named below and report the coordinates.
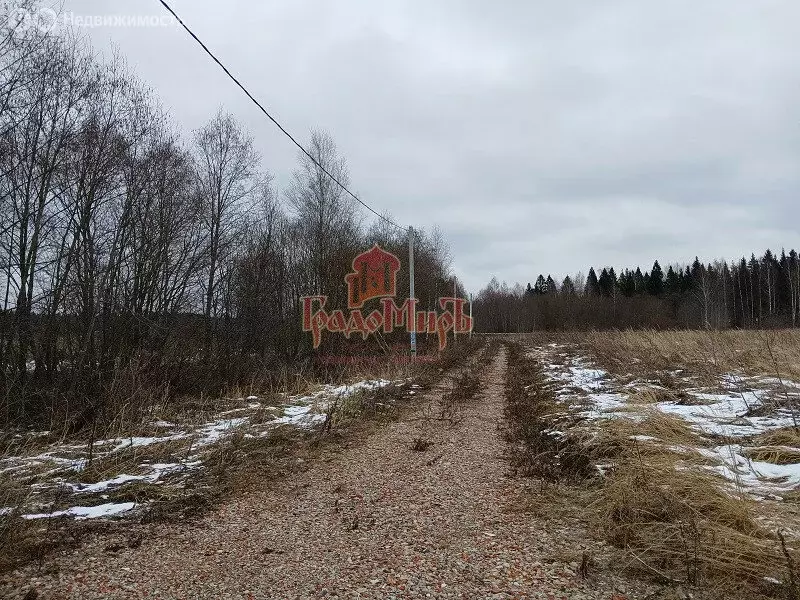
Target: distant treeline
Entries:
(760, 292)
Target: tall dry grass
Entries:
(774, 352)
(685, 526)
(536, 427)
(675, 519)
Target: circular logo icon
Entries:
(45, 19)
(19, 20)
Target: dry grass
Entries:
(675, 519)
(380, 404)
(535, 422)
(705, 353)
(621, 436)
(130, 460)
(463, 387)
(777, 455)
(15, 532)
(653, 395)
(685, 526)
(236, 463)
(785, 436)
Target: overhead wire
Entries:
(275, 121)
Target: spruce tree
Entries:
(673, 282)
(686, 281)
(552, 289)
(656, 280)
(567, 287)
(540, 287)
(638, 282)
(592, 285)
(626, 283)
(605, 283)
(698, 268)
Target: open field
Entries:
(694, 443)
(603, 465)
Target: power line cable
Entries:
(277, 124)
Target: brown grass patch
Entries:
(686, 526)
(785, 436)
(15, 532)
(129, 460)
(670, 434)
(777, 455)
(536, 425)
(705, 354)
(654, 395)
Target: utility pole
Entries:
(454, 295)
(413, 315)
(470, 316)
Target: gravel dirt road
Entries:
(380, 520)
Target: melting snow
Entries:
(588, 380)
(158, 470)
(137, 442)
(61, 461)
(214, 431)
(726, 414)
(87, 512)
(302, 413)
(591, 380)
(752, 473)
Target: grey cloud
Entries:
(541, 137)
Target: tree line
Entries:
(759, 292)
(139, 261)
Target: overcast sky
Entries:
(540, 136)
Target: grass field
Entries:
(694, 444)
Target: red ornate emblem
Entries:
(374, 276)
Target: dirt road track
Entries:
(378, 521)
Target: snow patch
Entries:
(752, 473)
(87, 512)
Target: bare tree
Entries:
(325, 214)
(227, 181)
(35, 149)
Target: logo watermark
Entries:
(46, 19)
(374, 277)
